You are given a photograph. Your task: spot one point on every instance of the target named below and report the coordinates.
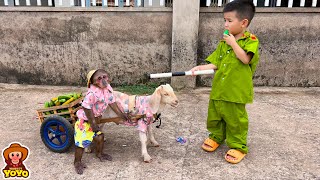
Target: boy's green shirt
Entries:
(233, 80)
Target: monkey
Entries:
(98, 97)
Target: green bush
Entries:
(138, 89)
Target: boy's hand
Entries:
(197, 68)
(202, 67)
(230, 39)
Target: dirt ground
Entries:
(283, 138)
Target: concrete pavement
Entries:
(283, 138)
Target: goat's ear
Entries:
(155, 100)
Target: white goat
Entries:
(145, 107)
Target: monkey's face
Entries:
(100, 79)
(15, 157)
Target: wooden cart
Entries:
(69, 109)
(57, 122)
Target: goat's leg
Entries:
(152, 140)
(143, 140)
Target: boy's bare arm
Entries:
(241, 54)
(204, 67)
(244, 57)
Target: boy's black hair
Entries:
(245, 9)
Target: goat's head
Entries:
(163, 95)
(167, 95)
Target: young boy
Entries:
(99, 96)
(235, 61)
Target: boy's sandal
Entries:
(210, 145)
(236, 154)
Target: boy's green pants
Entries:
(228, 121)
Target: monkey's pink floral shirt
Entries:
(96, 99)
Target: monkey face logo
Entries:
(13, 156)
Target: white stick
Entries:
(186, 73)
(210, 71)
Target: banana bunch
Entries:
(62, 100)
